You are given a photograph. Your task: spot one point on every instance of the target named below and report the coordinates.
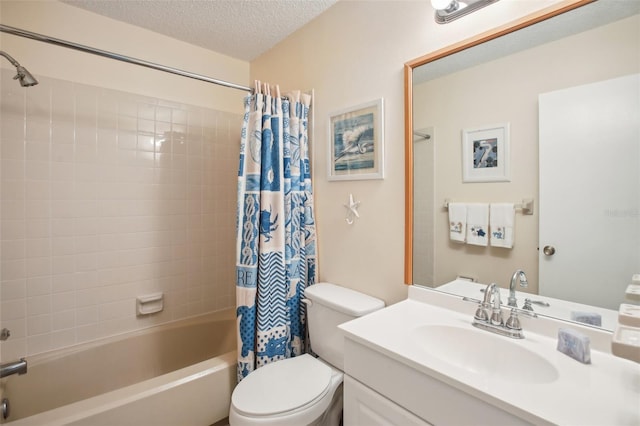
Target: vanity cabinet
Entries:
(422, 358)
(363, 406)
(381, 390)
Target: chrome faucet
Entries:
(517, 275)
(15, 367)
(495, 322)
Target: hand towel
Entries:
(478, 224)
(501, 224)
(457, 222)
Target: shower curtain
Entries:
(276, 238)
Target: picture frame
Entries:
(356, 142)
(485, 154)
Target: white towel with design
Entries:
(457, 222)
(478, 224)
(501, 224)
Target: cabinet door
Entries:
(363, 406)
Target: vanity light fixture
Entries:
(449, 10)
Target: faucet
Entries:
(15, 367)
(517, 275)
(495, 322)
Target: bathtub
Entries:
(180, 373)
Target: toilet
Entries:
(304, 390)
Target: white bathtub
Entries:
(181, 373)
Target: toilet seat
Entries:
(282, 387)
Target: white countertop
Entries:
(605, 392)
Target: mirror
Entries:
(495, 78)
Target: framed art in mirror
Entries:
(356, 142)
(485, 154)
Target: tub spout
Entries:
(15, 367)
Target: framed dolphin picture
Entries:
(356, 142)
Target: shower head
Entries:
(25, 77)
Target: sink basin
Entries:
(483, 353)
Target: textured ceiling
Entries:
(243, 29)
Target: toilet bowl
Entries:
(297, 391)
(304, 390)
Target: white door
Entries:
(590, 191)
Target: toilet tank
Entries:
(331, 305)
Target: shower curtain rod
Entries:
(111, 55)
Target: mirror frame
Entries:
(526, 21)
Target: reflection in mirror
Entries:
(530, 79)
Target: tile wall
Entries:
(105, 196)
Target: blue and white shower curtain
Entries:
(276, 237)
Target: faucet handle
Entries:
(481, 313)
(488, 293)
(496, 312)
(513, 322)
(536, 302)
(496, 317)
(5, 333)
(527, 313)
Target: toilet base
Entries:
(333, 415)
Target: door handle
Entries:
(549, 250)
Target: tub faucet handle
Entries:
(15, 367)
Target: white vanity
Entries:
(422, 362)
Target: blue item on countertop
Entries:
(574, 344)
(591, 318)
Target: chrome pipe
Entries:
(15, 367)
(82, 48)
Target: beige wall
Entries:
(351, 54)
(599, 54)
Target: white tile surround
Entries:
(105, 196)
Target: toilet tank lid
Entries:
(343, 299)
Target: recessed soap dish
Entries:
(149, 304)
(626, 343)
